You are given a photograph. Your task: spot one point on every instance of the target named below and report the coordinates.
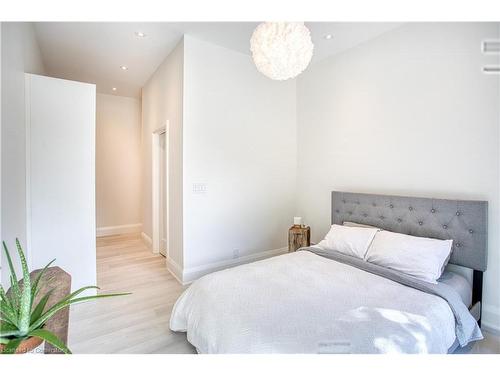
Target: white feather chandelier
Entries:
(281, 50)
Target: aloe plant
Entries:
(21, 319)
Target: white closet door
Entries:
(61, 176)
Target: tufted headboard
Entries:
(465, 222)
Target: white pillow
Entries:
(420, 257)
(353, 241)
(358, 225)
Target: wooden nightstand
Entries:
(298, 236)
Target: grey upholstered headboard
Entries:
(465, 222)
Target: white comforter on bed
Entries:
(304, 303)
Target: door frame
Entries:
(155, 185)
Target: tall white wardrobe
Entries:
(60, 177)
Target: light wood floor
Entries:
(139, 323)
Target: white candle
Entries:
(297, 220)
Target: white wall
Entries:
(20, 54)
(162, 100)
(61, 176)
(239, 140)
(408, 113)
(118, 165)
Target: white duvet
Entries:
(304, 303)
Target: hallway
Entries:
(137, 323)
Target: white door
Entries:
(163, 194)
(60, 125)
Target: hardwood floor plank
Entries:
(131, 324)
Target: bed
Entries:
(312, 302)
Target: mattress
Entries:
(459, 284)
(305, 303)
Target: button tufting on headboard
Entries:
(465, 222)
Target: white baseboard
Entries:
(147, 240)
(490, 319)
(175, 270)
(119, 229)
(191, 274)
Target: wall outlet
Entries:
(236, 253)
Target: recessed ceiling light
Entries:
(123, 67)
(140, 34)
(328, 36)
(114, 89)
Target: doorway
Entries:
(160, 191)
(163, 194)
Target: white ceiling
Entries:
(94, 52)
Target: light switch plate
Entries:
(199, 188)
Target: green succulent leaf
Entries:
(37, 312)
(9, 261)
(16, 294)
(11, 346)
(25, 307)
(8, 303)
(3, 296)
(3, 340)
(58, 306)
(51, 339)
(4, 300)
(14, 333)
(67, 302)
(7, 329)
(4, 324)
(13, 277)
(88, 298)
(34, 286)
(8, 314)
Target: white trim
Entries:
(155, 192)
(27, 153)
(146, 239)
(490, 319)
(175, 270)
(167, 189)
(119, 229)
(191, 274)
(155, 200)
